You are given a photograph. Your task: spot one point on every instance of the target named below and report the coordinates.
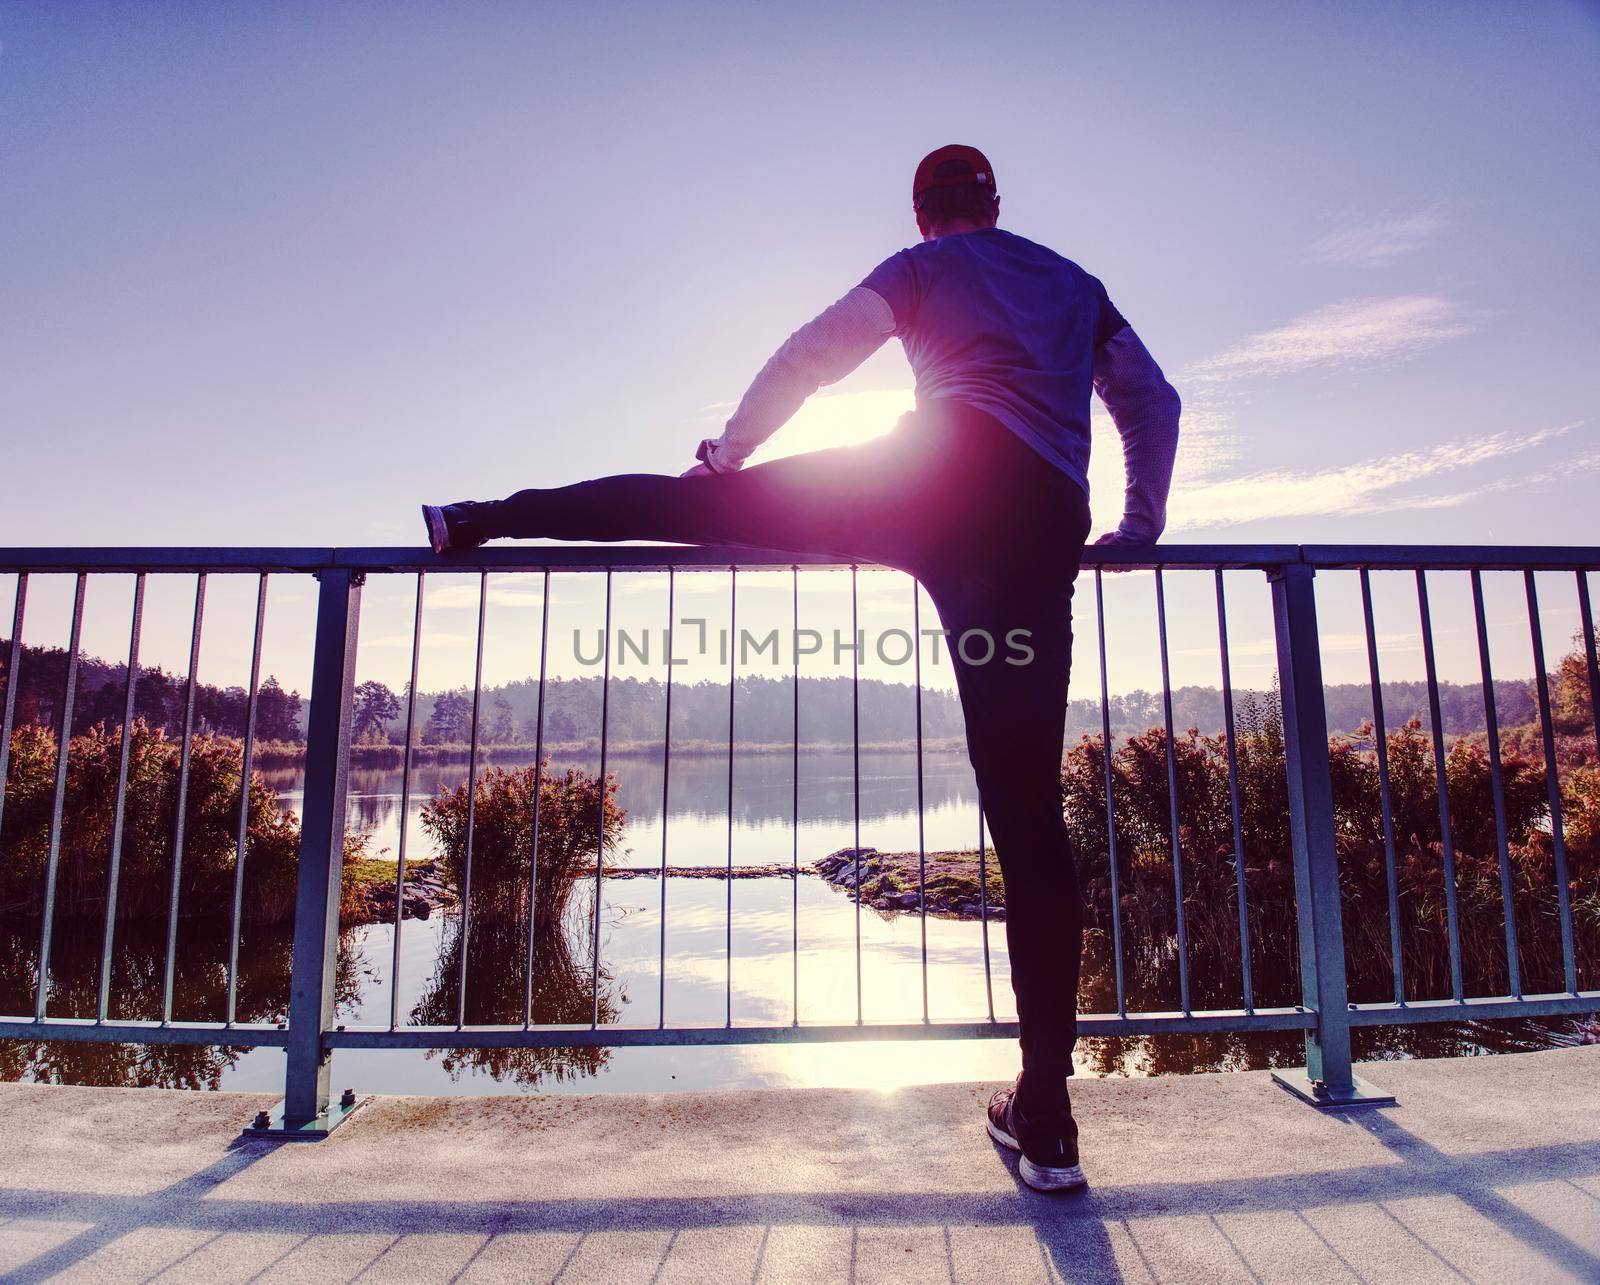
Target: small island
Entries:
(894, 882)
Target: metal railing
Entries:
(1325, 1015)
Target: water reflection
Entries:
(563, 993)
(763, 803)
(199, 994)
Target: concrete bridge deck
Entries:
(1489, 1169)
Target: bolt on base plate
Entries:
(270, 1123)
(1319, 1095)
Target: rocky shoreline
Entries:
(893, 882)
(423, 894)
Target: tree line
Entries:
(159, 697)
(635, 709)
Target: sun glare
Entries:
(838, 419)
(848, 419)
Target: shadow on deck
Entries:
(1489, 1167)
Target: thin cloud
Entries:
(1356, 332)
(431, 638)
(501, 594)
(1374, 244)
(1566, 470)
(714, 413)
(1207, 443)
(1371, 486)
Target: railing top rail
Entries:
(1452, 557)
(133, 558)
(658, 557)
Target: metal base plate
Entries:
(1360, 1094)
(311, 1131)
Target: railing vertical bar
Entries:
(58, 806)
(1234, 807)
(600, 837)
(983, 909)
(472, 802)
(922, 837)
(1491, 724)
(13, 668)
(405, 807)
(246, 762)
(1111, 818)
(1380, 739)
(794, 801)
(312, 1000)
(1586, 623)
(1324, 988)
(183, 797)
(666, 783)
(733, 683)
(1172, 795)
(538, 796)
(855, 750)
(120, 812)
(1441, 780)
(1558, 841)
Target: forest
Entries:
(635, 709)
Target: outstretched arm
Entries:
(823, 351)
(1145, 408)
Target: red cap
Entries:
(952, 166)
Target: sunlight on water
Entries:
(763, 993)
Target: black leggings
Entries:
(995, 534)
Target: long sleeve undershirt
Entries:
(1145, 409)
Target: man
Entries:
(982, 494)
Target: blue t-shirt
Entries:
(1009, 327)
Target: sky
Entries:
(272, 275)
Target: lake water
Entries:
(753, 951)
(791, 943)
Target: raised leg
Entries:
(868, 502)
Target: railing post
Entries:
(306, 1111)
(1326, 1080)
